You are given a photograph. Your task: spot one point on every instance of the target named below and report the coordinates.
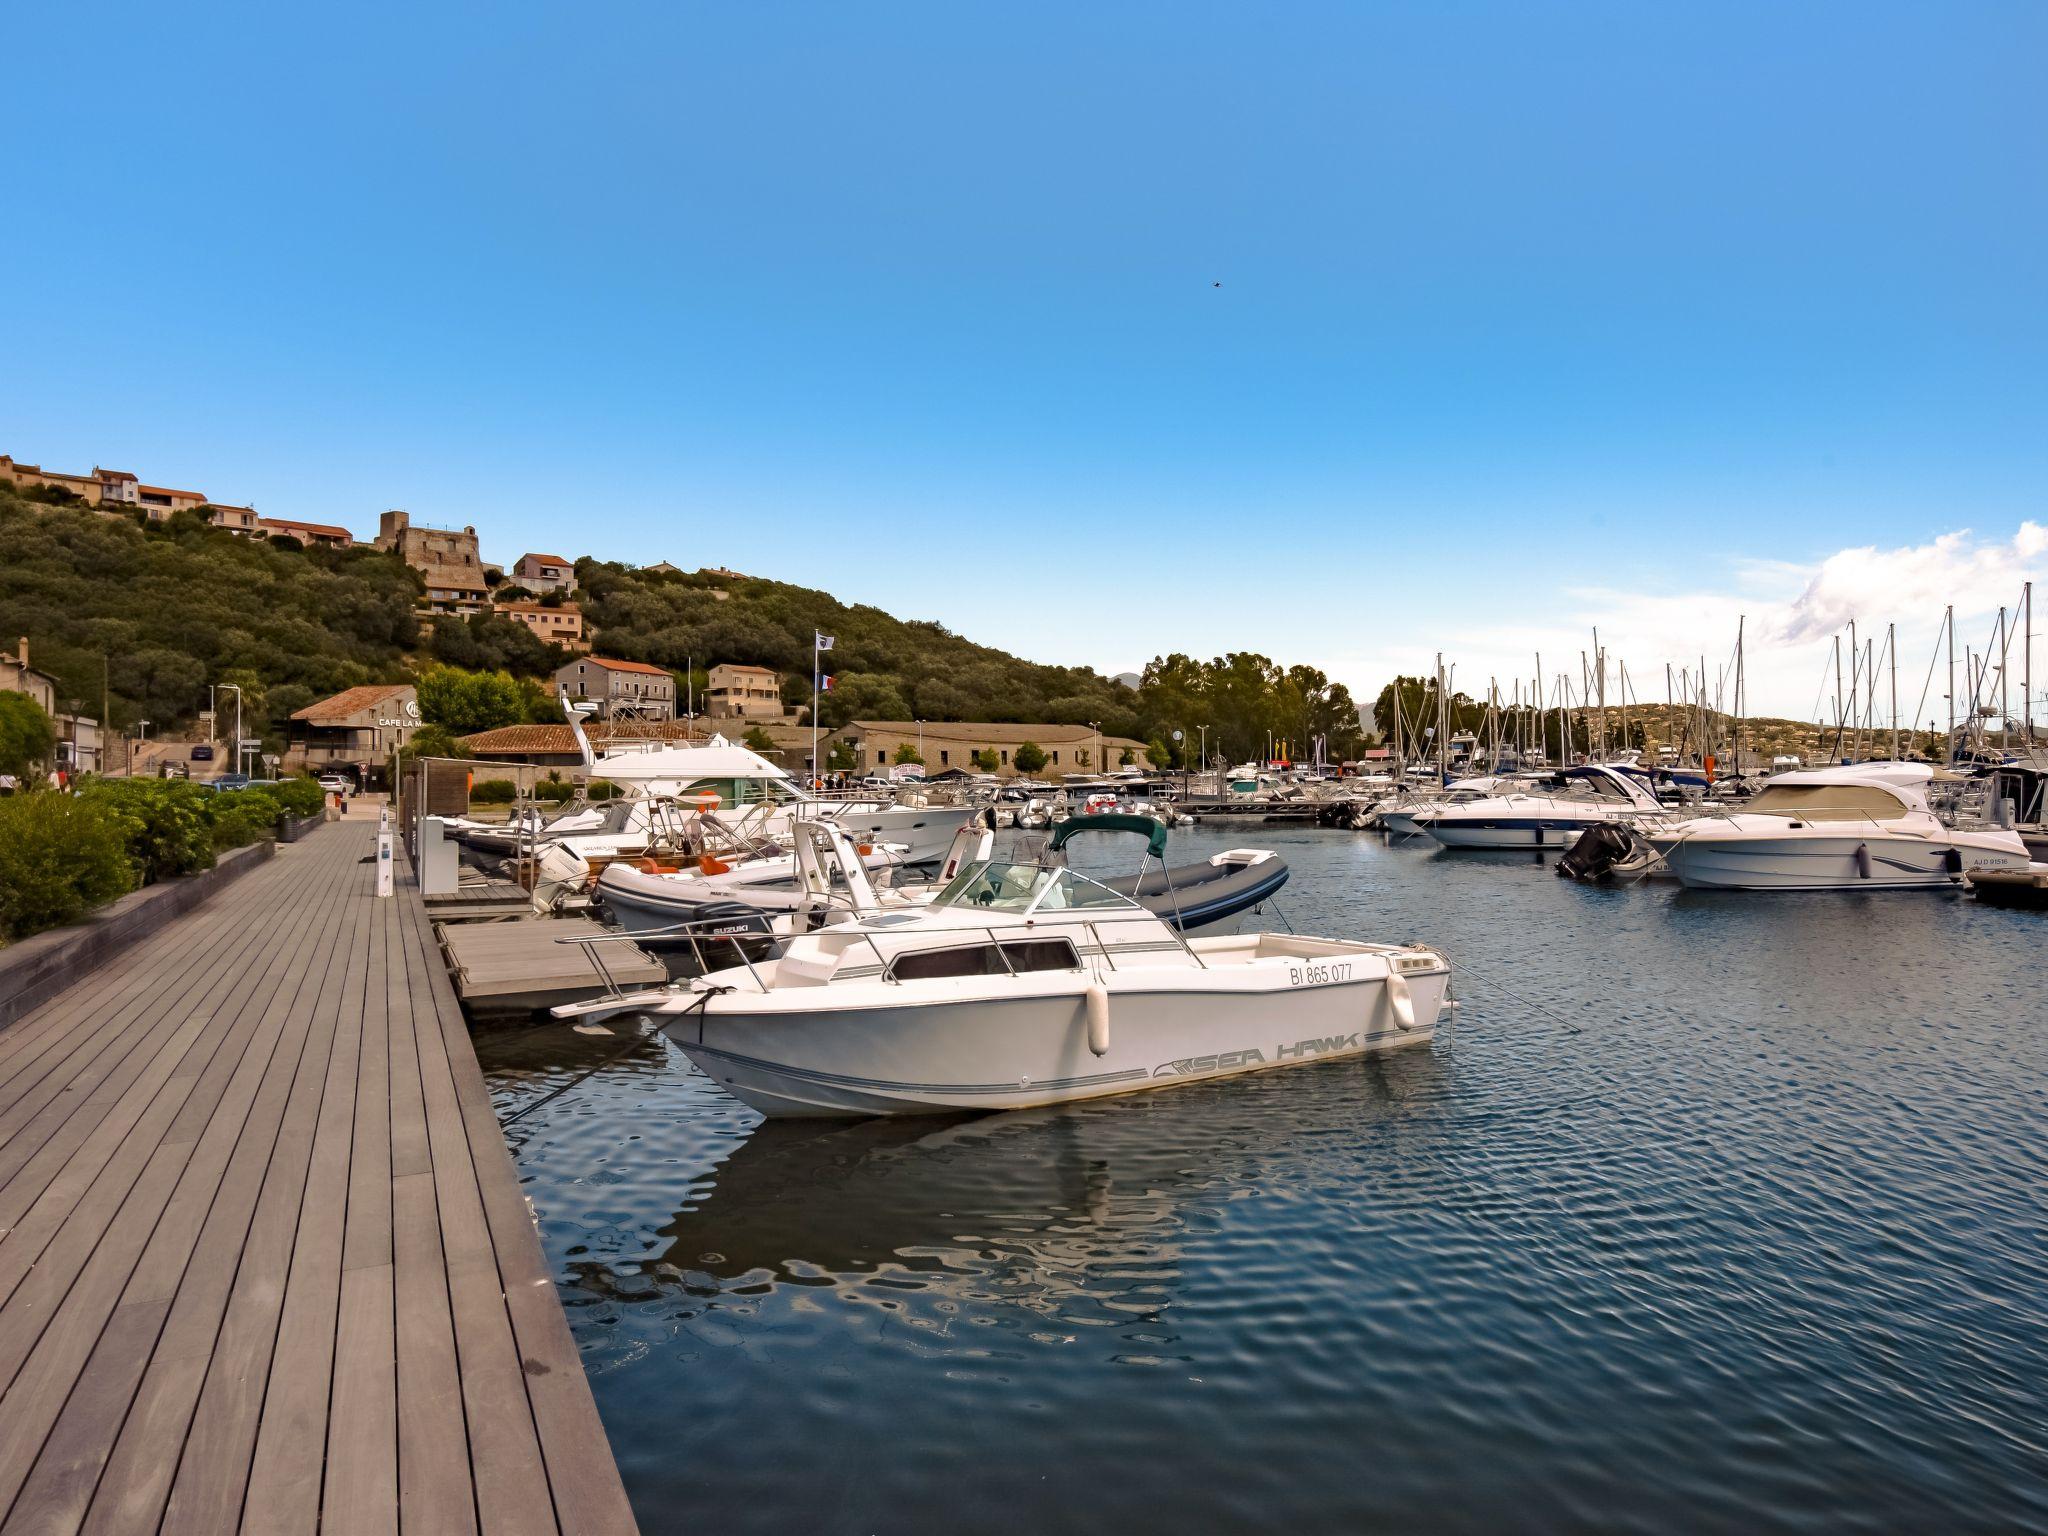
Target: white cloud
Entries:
(1792, 612)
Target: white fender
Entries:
(1401, 999)
(1098, 1019)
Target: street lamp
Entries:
(920, 742)
(141, 734)
(1096, 727)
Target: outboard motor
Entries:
(728, 933)
(1599, 848)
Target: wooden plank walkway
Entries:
(264, 1260)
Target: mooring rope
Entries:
(1549, 1013)
(584, 1076)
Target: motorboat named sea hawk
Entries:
(1023, 984)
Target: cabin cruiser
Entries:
(1859, 826)
(1396, 813)
(1581, 797)
(721, 775)
(1021, 984)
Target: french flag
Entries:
(825, 683)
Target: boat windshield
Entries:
(1828, 802)
(997, 887)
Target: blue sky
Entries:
(1528, 316)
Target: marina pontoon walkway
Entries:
(264, 1261)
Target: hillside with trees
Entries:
(152, 616)
(155, 612)
(885, 668)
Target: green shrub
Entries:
(242, 816)
(493, 791)
(598, 789)
(60, 856)
(167, 823)
(297, 797)
(553, 789)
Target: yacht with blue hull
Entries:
(1553, 817)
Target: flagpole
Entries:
(816, 776)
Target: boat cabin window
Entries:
(1827, 802)
(982, 960)
(995, 887)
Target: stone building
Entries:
(620, 687)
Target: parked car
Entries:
(229, 781)
(335, 784)
(203, 752)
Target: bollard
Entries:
(384, 853)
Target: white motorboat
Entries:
(1537, 818)
(1395, 812)
(761, 797)
(1026, 984)
(1861, 826)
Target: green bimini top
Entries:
(1144, 826)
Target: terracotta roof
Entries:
(164, 490)
(626, 666)
(324, 530)
(112, 474)
(545, 559)
(556, 739)
(734, 666)
(995, 731)
(536, 606)
(351, 701)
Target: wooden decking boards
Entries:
(264, 1260)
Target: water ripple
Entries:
(1729, 1218)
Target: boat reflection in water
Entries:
(1079, 1214)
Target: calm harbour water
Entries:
(1731, 1218)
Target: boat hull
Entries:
(1507, 835)
(1029, 1044)
(1825, 863)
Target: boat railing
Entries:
(686, 930)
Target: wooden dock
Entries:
(264, 1260)
(518, 966)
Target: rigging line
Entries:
(609, 1057)
(1549, 1013)
(1934, 657)
(1826, 663)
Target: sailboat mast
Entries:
(2027, 663)
(2004, 698)
(1443, 751)
(1891, 644)
(1948, 753)
(1741, 700)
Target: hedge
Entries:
(493, 791)
(60, 856)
